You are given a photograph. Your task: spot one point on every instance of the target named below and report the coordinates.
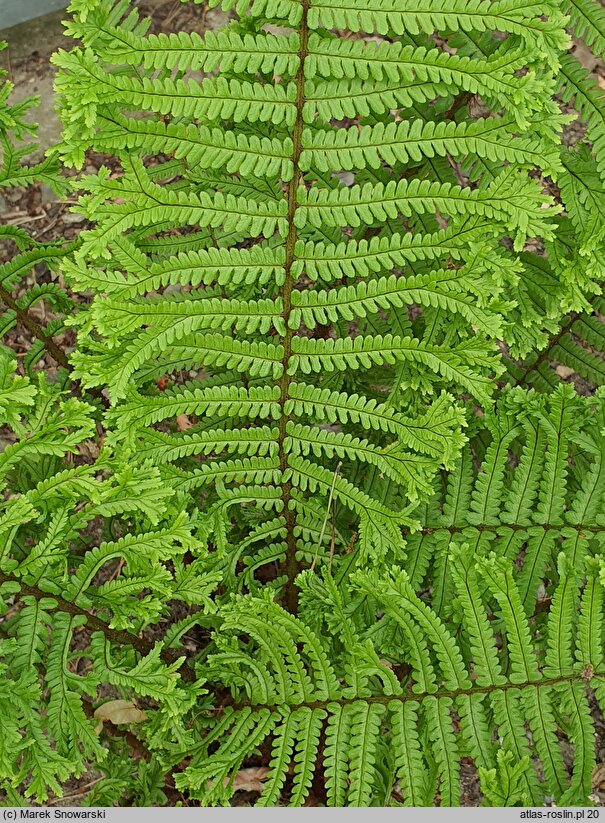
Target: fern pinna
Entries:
(288, 228)
(577, 254)
(391, 743)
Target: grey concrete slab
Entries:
(14, 12)
(27, 61)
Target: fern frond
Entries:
(588, 21)
(383, 18)
(587, 98)
(402, 142)
(521, 211)
(288, 678)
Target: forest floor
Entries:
(47, 218)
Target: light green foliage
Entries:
(280, 495)
(383, 731)
(479, 654)
(237, 133)
(577, 255)
(550, 503)
(63, 633)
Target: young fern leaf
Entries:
(253, 144)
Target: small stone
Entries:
(277, 30)
(47, 195)
(216, 19)
(346, 177)
(73, 219)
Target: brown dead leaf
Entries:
(564, 371)
(183, 422)
(585, 56)
(598, 777)
(89, 450)
(120, 711)
(601, 81)
(250, 780)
